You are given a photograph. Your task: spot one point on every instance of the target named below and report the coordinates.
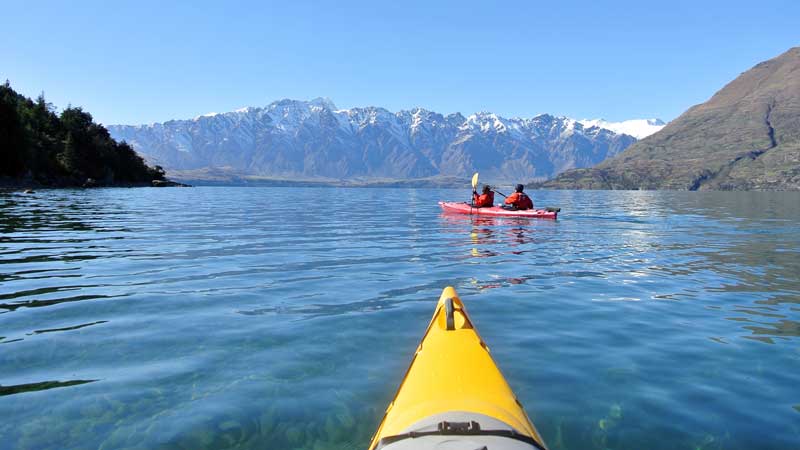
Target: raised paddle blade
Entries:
(475, 180)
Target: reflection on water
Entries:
(233, 318)
(487, 232)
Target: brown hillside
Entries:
(746, 137)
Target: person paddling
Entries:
(519, 200)
(486, 199)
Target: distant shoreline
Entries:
(321, 183)
(16, 184)
(443, 183)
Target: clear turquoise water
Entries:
(243, 318)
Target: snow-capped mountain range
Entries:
(314, 139)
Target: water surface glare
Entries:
(285, 318)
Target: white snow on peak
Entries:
(485, 121)
(323, 102)
(211, 114)
(638, 128)
(416, 119)
(287, 115)
(568, 125)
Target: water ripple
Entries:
(248, 318)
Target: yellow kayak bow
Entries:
(453, 395)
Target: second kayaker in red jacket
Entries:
(519, 200)
(486, 199)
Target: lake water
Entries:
(285, 318)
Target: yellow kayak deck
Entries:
(453, 373)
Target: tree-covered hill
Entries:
(68, 149)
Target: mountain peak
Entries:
(323, 102)
(638, 128)
(319, 102)
(211, 114)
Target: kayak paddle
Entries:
(474, 185)
(548, 209)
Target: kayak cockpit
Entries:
(465, 429)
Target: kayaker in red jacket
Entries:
(486, 199)
(519, 200)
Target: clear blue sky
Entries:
(147, 61)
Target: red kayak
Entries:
(466, 208)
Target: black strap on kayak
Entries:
(448, 309)
(471, 428)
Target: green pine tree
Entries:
(69, 157)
